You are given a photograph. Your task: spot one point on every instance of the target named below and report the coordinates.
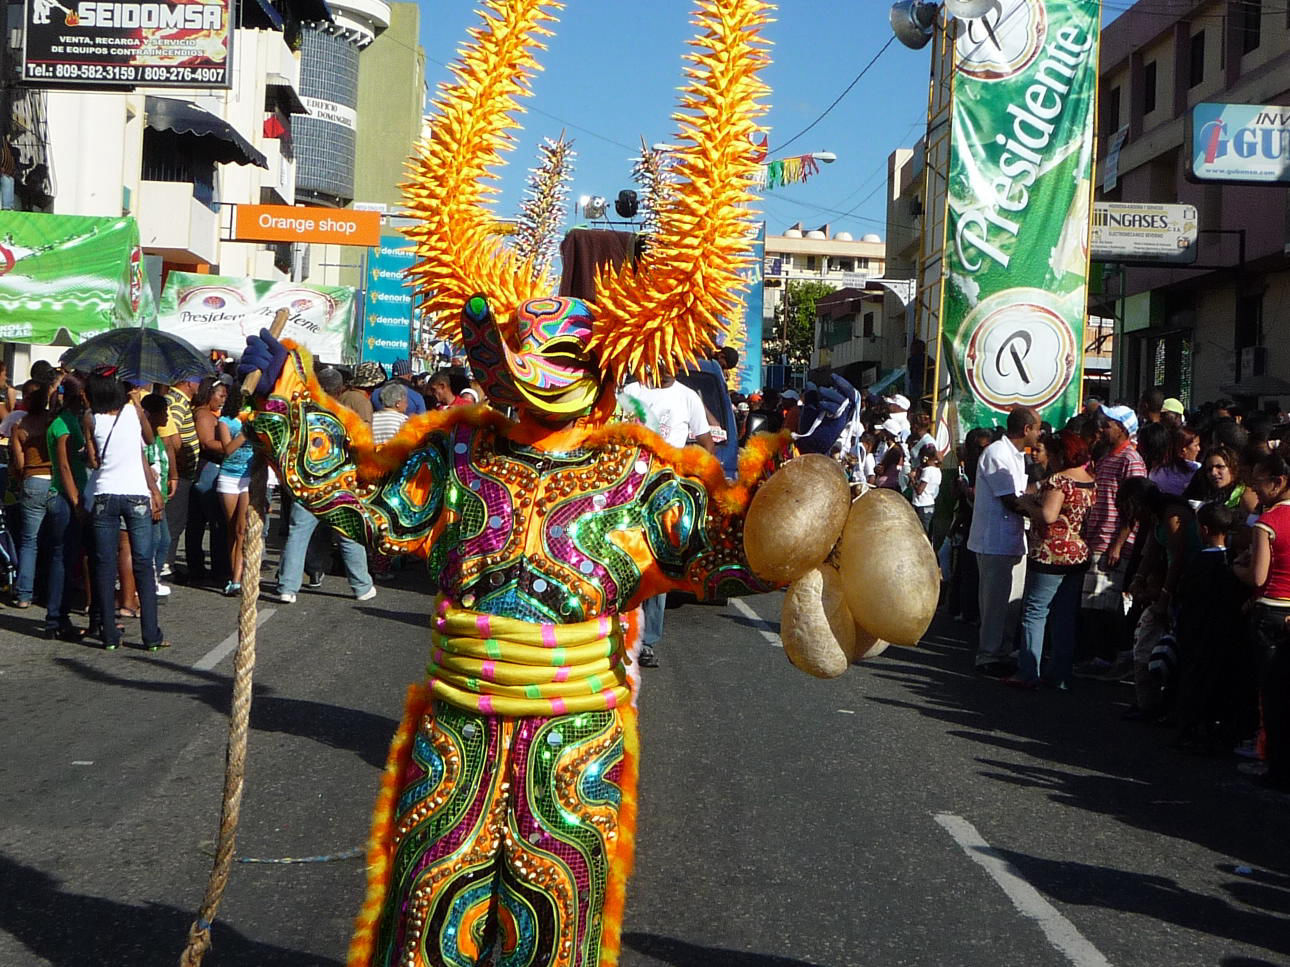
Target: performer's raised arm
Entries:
(388, 498)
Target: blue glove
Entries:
(265, 353)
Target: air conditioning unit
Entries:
(1254, 361)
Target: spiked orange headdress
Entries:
(667, 309)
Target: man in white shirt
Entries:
(676, 411)
(677, 415)
(998, 538)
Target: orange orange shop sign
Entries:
(291, 223)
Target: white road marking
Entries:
(1061, 933)
(847, 711)
(763, 626)
(228, 645)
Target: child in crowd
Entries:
(1214, 698)
(154, 409)
(927, 485)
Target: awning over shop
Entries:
(64, 278)
(272, 14)
(281, 94)
(1262, 385)
(309, 11)
(260, 15)
(210, 135)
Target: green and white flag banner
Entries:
(215, 312)
(1017, 221)
(65, 278)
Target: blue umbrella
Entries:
(141, 355)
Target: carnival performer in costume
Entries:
(504, 828)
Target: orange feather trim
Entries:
(625, 854)
(380, 847)
(762, 454)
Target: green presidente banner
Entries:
(215, 312)
(65, 278)
(1017, 222)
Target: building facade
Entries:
(1216, 329)
(837, 260)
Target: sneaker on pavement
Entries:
(367, 595)
(313, 581)
(283, 597)
(647, 657)
(166, 571)
(163, 590)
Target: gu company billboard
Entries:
(124, 44)
(1244, 143)
(1017, 219)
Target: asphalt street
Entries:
(908, 813)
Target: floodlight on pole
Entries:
(913, 22)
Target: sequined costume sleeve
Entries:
(310, 440)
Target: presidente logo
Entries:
(1003, 42)
(987, 230)
(1021, 352)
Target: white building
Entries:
(841, 262)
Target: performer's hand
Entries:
(266, 354)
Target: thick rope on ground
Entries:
(199, 934)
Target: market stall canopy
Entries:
(210, 136)
(65, 278)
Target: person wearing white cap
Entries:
(998, 539)
(1108, 541)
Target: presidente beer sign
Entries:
(122, 44)
(1241, 143)
(1016, 251)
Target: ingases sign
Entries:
(123, 44)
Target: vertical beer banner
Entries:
(1020, 188)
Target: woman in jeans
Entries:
(125, 490)
(65, 439)
(1057, 562)
(1269, 571)
(29, 463)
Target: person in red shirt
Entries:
(1269, 571)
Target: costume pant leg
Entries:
(500, 836)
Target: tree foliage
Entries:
(795, 337)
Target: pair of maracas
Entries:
(861, 574)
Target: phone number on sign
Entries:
(125, 72)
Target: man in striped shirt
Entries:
(1110, 543)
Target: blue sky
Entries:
(613, 68)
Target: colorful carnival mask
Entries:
(540, 362)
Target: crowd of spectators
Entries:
(107, 482)
(1137, 543)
